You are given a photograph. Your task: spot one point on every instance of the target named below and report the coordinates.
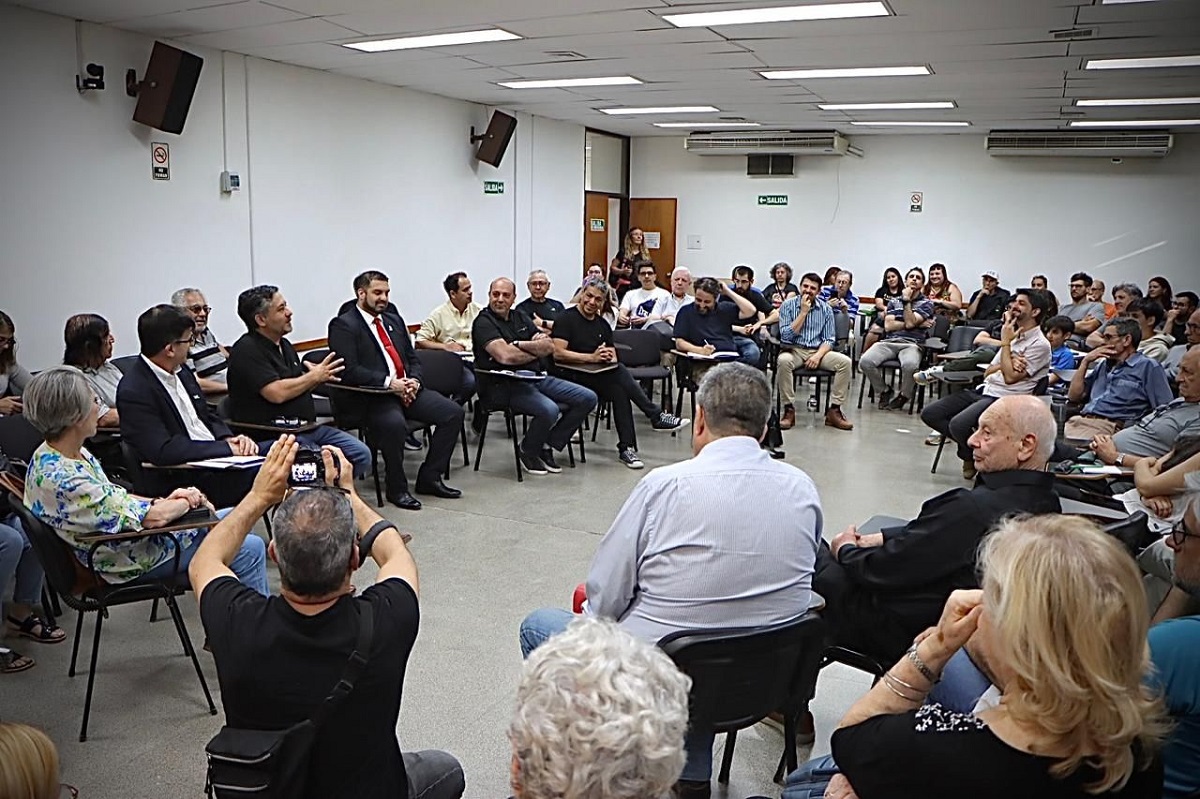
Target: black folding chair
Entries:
(487, 404)
(643, 359)
(441, 371)
(740, 675)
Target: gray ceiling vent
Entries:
(1073, 33)
(1097, 144)
(796, 142)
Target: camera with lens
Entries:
(308, 470)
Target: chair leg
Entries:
(862, 387)
(937, 456)
(75, 648)
(154, 611)
(582, 452)
(466, 457)
(49, 609)
(87, 701)
(727, 757)
(512, 425)
(482, 438)
(375, 476)
(189, 650)
(596, 426)
(828, 392)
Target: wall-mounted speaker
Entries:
(164, 94)
(774, 165)
(494, 142)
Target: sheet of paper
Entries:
(229, 462)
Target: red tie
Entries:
(389, 348)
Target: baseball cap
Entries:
(992, 273)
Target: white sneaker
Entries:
(927, 376)
(629, 457)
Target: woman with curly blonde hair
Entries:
(28, 764)
(1060, 626)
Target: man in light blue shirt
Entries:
(1125, 387)
(808, 333)
(682, 554)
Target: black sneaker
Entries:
(532, 464)
(884, 399)
(666, 422)
(630, 458)
(549, 462)
(898, 403)
(412, 443)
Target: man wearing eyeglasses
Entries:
(1124, 385)
(1191, 339)
(206, 357)
(1174, 651)
(1086, 313)
(164, 417)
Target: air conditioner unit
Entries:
(1094, 144)
(795, 142)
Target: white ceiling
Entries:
(997, 59)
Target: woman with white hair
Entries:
(1060, 630)
(600, 715)
(67, 488)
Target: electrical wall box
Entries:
(230, 182)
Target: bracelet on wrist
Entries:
(926, 672)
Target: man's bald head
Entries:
(1015, 432)
(501, 293)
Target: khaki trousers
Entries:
(793, 359)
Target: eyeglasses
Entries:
(4, 340)
(189, 341)
(1179, 533)
(65, 790)
(1111, 336)
(199, 308)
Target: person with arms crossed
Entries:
(638, 304)
(904, 333)
(279, 656)
(540, 307)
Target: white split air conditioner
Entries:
(794, 142)
(1095, 144)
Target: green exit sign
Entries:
(772, 199)
(495, 187)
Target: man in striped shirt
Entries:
(206, 357)
(807, 331)
(840, 297)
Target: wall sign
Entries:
(596, 225)
(772, 199)
(653, 239)
(493, 187)
(916, 202)
(160, 160)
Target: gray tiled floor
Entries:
(485, 561)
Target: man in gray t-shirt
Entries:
(1155, 433)
(1086, 315)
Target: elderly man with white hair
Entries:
(207, 357)
(883, 588)
(665, 309)
(540, 307)
(600, 715)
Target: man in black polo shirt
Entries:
(278, 657)
(505, 339)
(268, 382)
(542, 309)
(583, 342)
(989, 301)
(706, 325)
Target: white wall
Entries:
(338, 175)
(1020, 216)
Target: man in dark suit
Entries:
(378, 354)
(165, 418)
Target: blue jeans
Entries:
(249, 564)
(17, 558)
(748, 351)
(961, 685)
(355, 451)
(542, 401)
(540, 625)
(811, 779)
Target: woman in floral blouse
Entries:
(66, 488)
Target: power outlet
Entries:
(693, 242)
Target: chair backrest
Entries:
(841, 326)
(52, 552)
(133, 468)
(1133, 532)
(315, 357)
(941, 327)
(441, 370)
(223, 408)
(1042, 386)
(644, 347)
(124, 362)
(18, 438)
(962, 338)
(740, 675)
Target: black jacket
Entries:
(151, 423)
(918, 565)
(354, 342)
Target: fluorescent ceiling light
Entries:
(1119, 2)
(1131, 123)
(849, 72)
(1141, 101)
(1143, 63)
(749, 16)
(666, 109)
(565, 83)
(432, 40)
(906, 124)
(885, 106)
(707, 125)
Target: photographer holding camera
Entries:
(280, 657)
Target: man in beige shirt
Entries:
(448, 326)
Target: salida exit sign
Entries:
(772, 199)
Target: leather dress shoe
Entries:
(438, 489)
(404, 501)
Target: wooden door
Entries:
(595, 238)
(657, 215)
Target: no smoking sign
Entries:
(916, 201)
(160, 160)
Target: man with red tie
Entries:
(378, 354)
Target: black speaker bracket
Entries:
(477, 137)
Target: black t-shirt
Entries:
(992, 306)
(276, 665)
(761, 304)
(773, 293)
(254, 361)
(580, 333)
(935, 753)
(547, 310)
(710, 328)
(488, 328)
